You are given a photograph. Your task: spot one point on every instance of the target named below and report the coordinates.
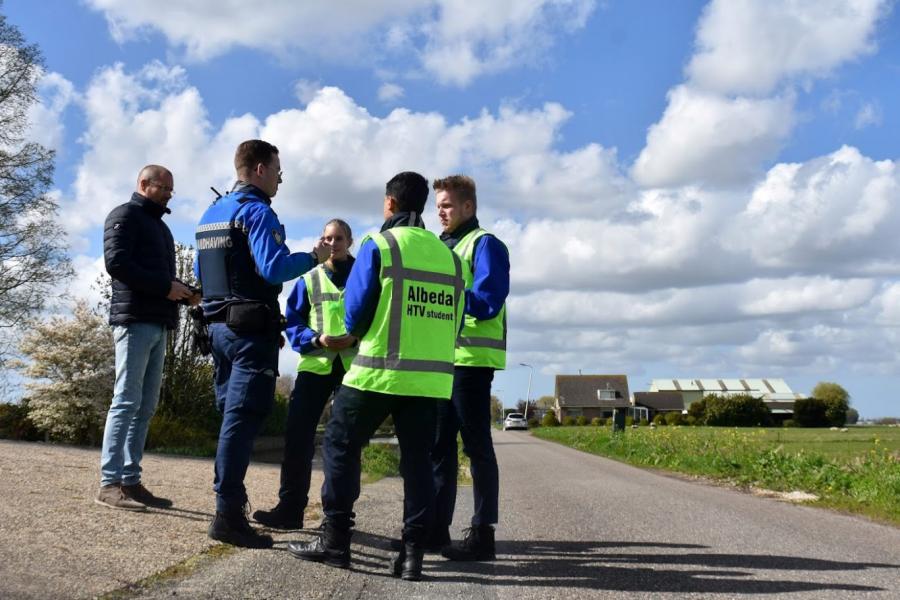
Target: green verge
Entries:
(383, 460)
(176, 572)
(857, 471)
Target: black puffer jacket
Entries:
(140, 256)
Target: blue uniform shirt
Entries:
(490, 279)
(246, 211)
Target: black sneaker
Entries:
(280, 517)
(139, 493)
(235, 530)
(477, 545)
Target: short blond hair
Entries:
(461, 186)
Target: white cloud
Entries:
(45, 117)
(454, 40)
(749, 47)
(869, 114)
(736, 106)
(705, 137)
(388, 92)
(831, 211)
(305, 90)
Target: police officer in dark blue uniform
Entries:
(242, 261)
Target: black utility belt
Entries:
(251, 318)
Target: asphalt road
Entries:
(579, 526)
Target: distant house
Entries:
(658, 402)
(776, 393)
(590, 396)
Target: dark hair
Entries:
(343, 225)
(410, 190)
(461, 186)
(251, 153)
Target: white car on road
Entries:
(515, 421)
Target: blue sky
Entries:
(688, 189)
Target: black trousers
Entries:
(308, 399)
(355, 415)
(469, 414)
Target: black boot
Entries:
(233, 528)
(280, 517)
(477, 545)
(331, 548)
(408, 563)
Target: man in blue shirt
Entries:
(242, 261)
(481, 349)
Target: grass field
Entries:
(857, 470)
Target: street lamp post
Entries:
(528, 394)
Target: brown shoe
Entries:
(139, 493)
(112, 496)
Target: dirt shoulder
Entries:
(55, 542)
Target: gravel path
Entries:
(55, 542)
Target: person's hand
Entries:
(194, 300)
(336, 342)
(322, 250)
(179, 291)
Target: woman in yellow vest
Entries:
(315, 329)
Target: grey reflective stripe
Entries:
(317, 297)
(403, 364)
(481, 342)
(214, 226)
(398, 273)
(316, 301)
(484, 342)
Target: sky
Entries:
(687, 189)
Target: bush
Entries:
(381, 460)
(581, 421)
(644, 422)
(659, 419)
(15, 424)
(534, 422)
(698, 411)
(788, 423)
(568, 421)
(810, 412)
(276, 422)
(550, 420)
(690, 420)
(597, 422)
(739, 410)
(852, 416)
(629, 421)
(173, 436)
(673, 418)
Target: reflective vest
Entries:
(408, 349)
(326, 316)
(482, 343)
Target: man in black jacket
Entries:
(140, 257)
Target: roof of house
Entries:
(660, 400)
(581, 391)
(770, 389)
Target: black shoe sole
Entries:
(320, 558)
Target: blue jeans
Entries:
(140, 353)
(246, 368)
